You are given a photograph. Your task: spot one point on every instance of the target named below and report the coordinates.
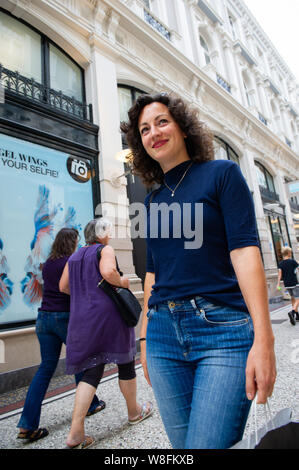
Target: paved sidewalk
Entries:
(109, 427)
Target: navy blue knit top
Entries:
(217, 206)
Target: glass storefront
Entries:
(279, 233)
(42, 190)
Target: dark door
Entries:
(137, 192)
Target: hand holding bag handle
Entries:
(126, 302)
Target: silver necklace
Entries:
(174, 190)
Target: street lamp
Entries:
(124, 156)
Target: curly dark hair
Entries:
(64, 243)
(199, 140)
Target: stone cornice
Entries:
(257, 29)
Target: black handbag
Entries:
(125, 301)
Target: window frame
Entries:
(133, 91)
(205, 48)
(228, 150)
(267, 174)
(45, 56)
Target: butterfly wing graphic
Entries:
(6, 285)
(70, 220)
(40, 247)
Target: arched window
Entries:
(29, 53)
(224, 152)
(265, 179)
(126, 96)
(205, 50)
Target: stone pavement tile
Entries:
(110, 428)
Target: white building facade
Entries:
(104, 53)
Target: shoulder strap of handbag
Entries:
(99, 251)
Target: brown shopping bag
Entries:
(278, 432)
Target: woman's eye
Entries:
(143, 131)
(163, 121)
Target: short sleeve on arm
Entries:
(237, 208)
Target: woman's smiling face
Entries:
(161, 136)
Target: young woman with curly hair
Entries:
(207, 345)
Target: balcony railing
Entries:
(223, 83)
(149, 18)
(30, 89)
(268, 195)
(263, 119)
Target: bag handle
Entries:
(253, 417)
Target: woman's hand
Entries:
(125, 282)
(143, 361)
(260, 371)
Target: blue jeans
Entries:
(196, 357)
(51, 330)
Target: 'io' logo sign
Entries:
(79, 169)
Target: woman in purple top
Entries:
(97, 334)
(51, 330)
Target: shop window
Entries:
(47, 190)
(280, 234)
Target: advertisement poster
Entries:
(41, 191)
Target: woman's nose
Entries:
(155, 131)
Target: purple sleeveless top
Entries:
(97, 333)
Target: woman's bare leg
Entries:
(83, 398)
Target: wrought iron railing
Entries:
(223, 83)
(269, 195)
(263, 119)
(156, 24)
(30, 89)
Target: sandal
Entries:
(146, 411)
(88, 441)
(33, 435)
(101, 406)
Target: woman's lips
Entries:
(159, 144)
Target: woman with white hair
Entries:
(97, 334)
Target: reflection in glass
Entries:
(65, 75)
(20, 48)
